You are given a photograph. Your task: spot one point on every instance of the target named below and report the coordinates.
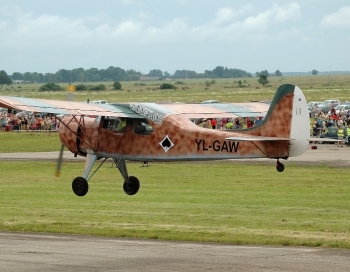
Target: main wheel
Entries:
(80, 186)
(280, 167)
(132, 186)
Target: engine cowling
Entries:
(79, 133)
(69, 134)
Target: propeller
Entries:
(70, 97)
(59, 162)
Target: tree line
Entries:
(119, 74)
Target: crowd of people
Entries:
(229, 123)
(337, 122)
(322, 121)
(28, 121)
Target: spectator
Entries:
(213, 123)
(237, 124)
(229, 124)
(3, 123)
(340, 136)
(249, 123)
(223, 123)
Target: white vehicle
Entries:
(210, 101)
(313, 107)
(99, 102)
(340, 108)
(327, 105)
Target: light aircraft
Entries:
(164, 132)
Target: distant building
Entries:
(147, 78)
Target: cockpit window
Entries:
(110, 122)
(142, 128)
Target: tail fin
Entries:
(300, 129)
(288, 117)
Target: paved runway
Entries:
(34, 252)
(46, 252)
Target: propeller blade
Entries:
(59, 163)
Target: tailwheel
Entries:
(279, 166)
(132, 186)
(80, 186)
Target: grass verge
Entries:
(207, 202)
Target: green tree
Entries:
(50, 86)
(265, 73)
(263, 80)
(17, 76)
(4, 79)
(78, 75)
(314, 72)
(96, 78)
(117, 85)
(167, 86)
(155, 73)
(64, 76)
(81, 87)
(207, 83)
(100, 87)
(218, 71)
(278, 73)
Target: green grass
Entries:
(207, 202)
(29, 142)
(316, 88)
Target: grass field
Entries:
(316, 88)
(29, 142)
(208, 202)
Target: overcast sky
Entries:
(252, 35)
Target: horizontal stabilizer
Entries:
(257, 138)
(315, 139)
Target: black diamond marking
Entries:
(166, 144)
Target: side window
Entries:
(142, 128)
(109, 123)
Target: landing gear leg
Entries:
(131, 184)
(279, 166)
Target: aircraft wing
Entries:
(220, 110)
(136, 110)
(66, 107)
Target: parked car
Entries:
(210, 101)
(327, 105)
(342, 108)
(313, 107)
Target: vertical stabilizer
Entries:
(287, 117)
(300, 127)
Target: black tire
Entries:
(80, 186)
(280, 167)
(132, 186)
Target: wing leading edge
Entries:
(66, 107)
